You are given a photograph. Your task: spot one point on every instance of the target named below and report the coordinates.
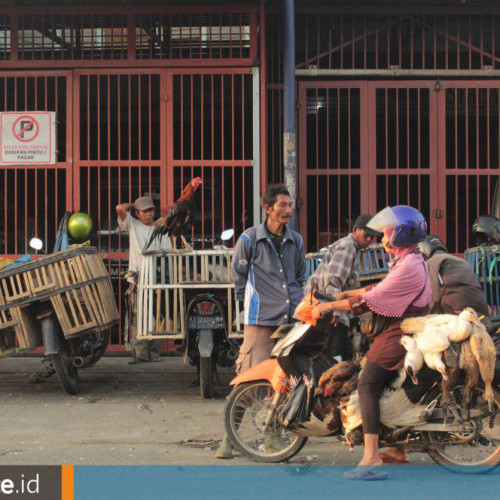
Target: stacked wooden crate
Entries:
(74, 281)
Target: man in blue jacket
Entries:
(268, 272)
(268, 269)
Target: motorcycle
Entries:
(254, 411)
(208, 344)
(68, 310)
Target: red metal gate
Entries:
(149, 132)
(33, 198)
(366, 145)
(363, 146)
(469, 156)
(402, 142)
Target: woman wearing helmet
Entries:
(404, 292)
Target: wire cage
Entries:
(484, 261)
(373, 263)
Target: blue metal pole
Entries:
(289, 141)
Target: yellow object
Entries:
(5, 262)
(85, 243)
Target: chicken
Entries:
(349, 386)
(179, 220)
(395, 410)
(340, 371)
(413, 363)
(484, 351)
(332, 387)
(350, 412)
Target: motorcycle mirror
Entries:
(36, 244)
(227, 234)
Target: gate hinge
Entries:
(438, 85)
(298, 104)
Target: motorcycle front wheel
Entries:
(247, 409)
(478, 446)
(65, 370)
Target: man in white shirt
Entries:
(139, 230)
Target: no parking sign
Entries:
(28, 138)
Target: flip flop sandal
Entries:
(137, 361)
(364, 475)
(156, 359)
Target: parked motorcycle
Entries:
(255, 424)
(208, 344)
(62, 302)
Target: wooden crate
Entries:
(75, 281)
(18, 331)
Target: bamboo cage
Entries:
(74, 281)
(168, 280)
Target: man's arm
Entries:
(122, 210)
(239, 266)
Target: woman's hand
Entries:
(322, 310)
(340, 296)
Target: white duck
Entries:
(432, 341)
(413, 363)
(456, 328)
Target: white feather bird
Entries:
(456, 328)
(413, 363)
(395, 410)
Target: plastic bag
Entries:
(304, 310)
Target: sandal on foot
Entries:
(363, 473)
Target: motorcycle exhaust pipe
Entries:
(232, 354)
(78, 361)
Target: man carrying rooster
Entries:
(140, 228)
(268, 269)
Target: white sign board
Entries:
(28, 138)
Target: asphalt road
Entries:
(126, 415)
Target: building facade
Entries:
(394, 105)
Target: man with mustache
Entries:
(139, 229)
(268, 269)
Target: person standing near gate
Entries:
(139, 227)
(338, 273)
(268, 270)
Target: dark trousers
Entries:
(337, 343)
(370, 386)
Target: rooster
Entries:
(179, 220)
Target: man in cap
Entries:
(338, 273)
(139, 229)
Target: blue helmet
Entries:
(408, 223)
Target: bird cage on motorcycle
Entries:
(166, 281)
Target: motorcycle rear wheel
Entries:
(480, 447)
(246, 411)
(206, 377)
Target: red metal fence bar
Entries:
(33, 198)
